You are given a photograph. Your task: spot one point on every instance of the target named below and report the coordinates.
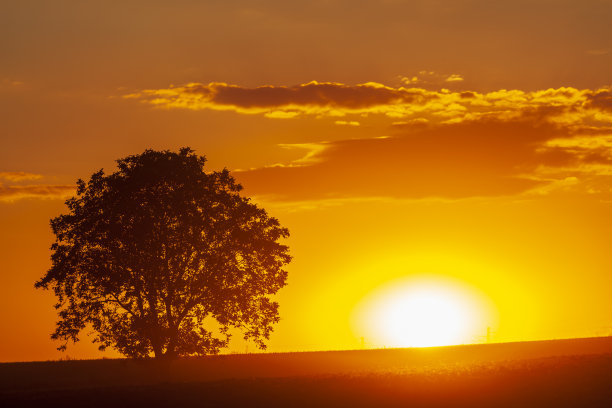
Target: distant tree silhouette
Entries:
(163, 258)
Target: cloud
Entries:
(454, 78)
(10, 83)
(15, 193)
(18, 176)
(431, 79)
(447, 144)
(601, 99)
(347, 123)
(318, 98)
(598, 52)
(482, 158)
(11, 193)
(402, 104)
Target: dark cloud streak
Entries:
(15, 193)
(470, 159)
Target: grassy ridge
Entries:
(532, 374)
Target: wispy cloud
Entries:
(347, 122)
(16, 190)
(402, 104)
(10, 83)
(472, 159)
(454, 78)
(479, 158)
(318, 98)
(601, 99)
(46, 192)
(18, 176)
(446, 144)
(431, 79)
(597, 52)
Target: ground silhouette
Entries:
(562, 373)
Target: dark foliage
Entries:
(163, 258)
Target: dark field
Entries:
(559, 373)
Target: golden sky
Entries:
(467, 141)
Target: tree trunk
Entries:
(154, 329)
(157, 348)
(172, 340)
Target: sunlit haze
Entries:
(423, 312)
(443, 167)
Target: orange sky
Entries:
(467, 139)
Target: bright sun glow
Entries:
(424, 317)
(422, 313)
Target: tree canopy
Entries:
(162, 258)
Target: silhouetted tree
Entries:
(161, 257)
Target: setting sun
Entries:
(425, 318)
(374, 203)
(426, 312)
